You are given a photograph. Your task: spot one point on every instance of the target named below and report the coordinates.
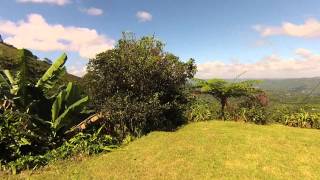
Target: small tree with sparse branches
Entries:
(223, 90)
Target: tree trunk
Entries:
(223, 102)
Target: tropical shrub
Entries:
(81, 144)
(33, 116)
(138, 86)
(85, 143)
(254, 108)
(202, 110)
(57, 110)
(278, 112)
(303, 119)
(18, 137)
(254, 114)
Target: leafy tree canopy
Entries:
(139, 83)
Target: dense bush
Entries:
(254, 108)
(138, 86)
(202, 110)
(19, 136)
(278, 112)
(255, 114)
(81, 144)
(302, 119)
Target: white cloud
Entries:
(304, 52)
(56, 2)
(35, 33)
(310, 29)
(77, 70)
(143, 16)
(305, 64)
(92, 11)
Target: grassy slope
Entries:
(205, 150)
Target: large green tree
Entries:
(138, 85)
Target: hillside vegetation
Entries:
(136, 90)
(205, 150)
(128, 92)
(9, 60)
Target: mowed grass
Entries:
(205, 150)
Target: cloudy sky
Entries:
(256, 38)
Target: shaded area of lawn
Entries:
(205, 150)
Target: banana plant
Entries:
(66, 103)
(34, 100)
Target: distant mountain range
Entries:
(295, 91)
(298, 85)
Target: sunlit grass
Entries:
(205, 150)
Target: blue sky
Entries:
(217, 33)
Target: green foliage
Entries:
(11, 137)
(67, 103)
(53, 74)
(219, 87)
(86, 144)
(25, 162)
(80, 144)
(222, 90)
(33, 100)
(138, 86)
(18, 84)
(19, 136)
(256, 115)
(13, 86)
(31, 121)
(254, 109)
(10, 59)
(303, 119)
(65, 118)
(202, 110)
(251, 108)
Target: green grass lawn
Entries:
(205, 150)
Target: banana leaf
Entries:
(4, 82)
(9, 77)
(21, 78)
(72, 94)
(14, 87)
(64, 119)
(53, 74)
(57, 105)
